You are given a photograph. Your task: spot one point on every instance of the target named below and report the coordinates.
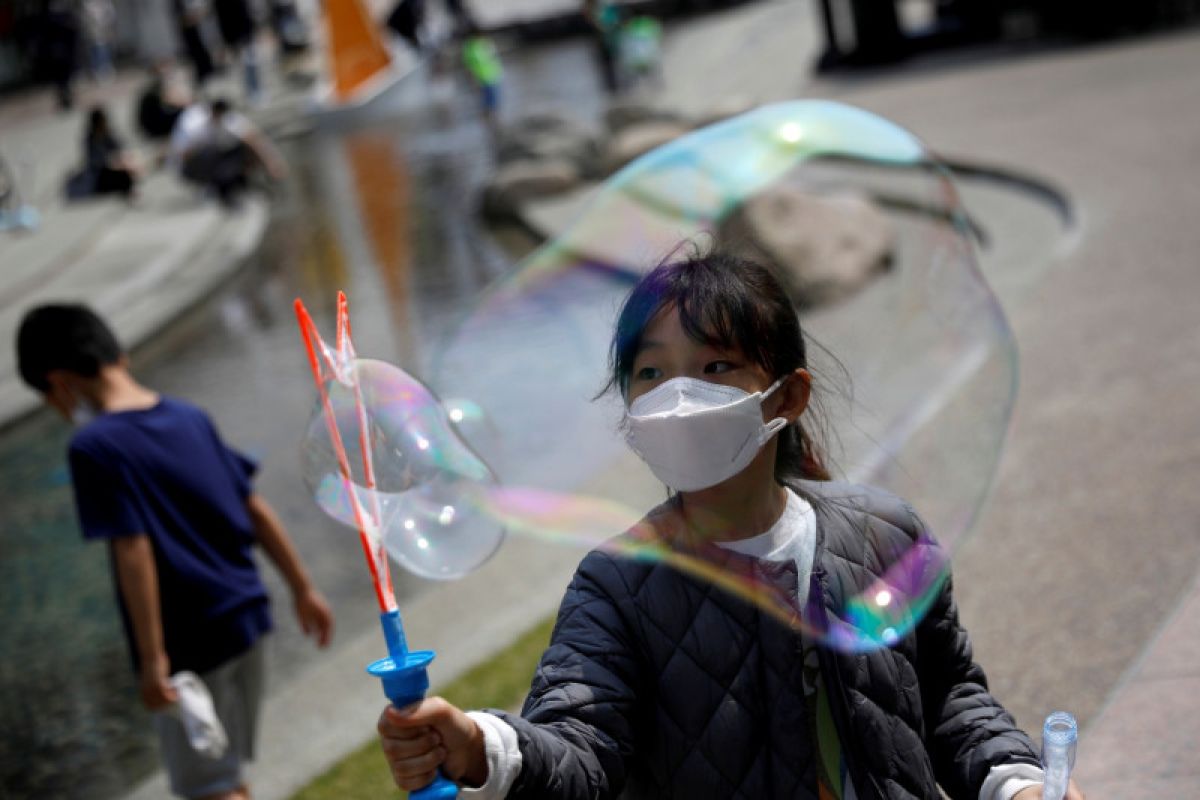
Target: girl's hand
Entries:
(420, 738)
(1035, 793)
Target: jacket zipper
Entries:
(864, 783)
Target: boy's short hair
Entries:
(66, 337)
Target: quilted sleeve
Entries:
(576, 729)
(967, 730)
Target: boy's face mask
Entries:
(82, 413)
(70, 403)
(694, 434)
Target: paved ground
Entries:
(1090, 542)
(1080, 587)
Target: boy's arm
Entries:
(137, 577)
(312, 611)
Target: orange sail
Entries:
(356, 49)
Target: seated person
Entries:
(218, 148)
(108, 168)
(159, 105)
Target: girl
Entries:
(658, 685)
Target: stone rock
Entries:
(516, 182)
(621, 114)
(635, 140)
(550, 137)
(824, 248)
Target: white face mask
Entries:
(82, 414)
(694, 434)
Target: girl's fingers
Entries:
(400, 748)
(418, 770)
(395, 725)
(409, 734)
(390, 732)
(414, 783)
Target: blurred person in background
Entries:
(482, 62)
(108, 168)
(290, 28)
(220, 149)
(190, 16)
(99, 18)
(237, 26)
(604, 19)
(459, 15)
(407, 20)
(57, 48)
(160, 103)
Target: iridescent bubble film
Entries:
(914, 362)
(423, 471)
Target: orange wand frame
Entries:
(403, 672)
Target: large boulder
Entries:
(517, 182)
(550, 137)
(638, 139)
(823, 247)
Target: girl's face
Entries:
(668, 352)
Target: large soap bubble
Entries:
(424, 474)
(867, 228)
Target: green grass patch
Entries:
(500, 682)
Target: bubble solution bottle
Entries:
(1059, 735)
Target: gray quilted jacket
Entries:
(659, 685)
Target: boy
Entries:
(154, 479)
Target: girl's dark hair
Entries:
(66, 337)
(729, 302)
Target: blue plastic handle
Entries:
(405, 681)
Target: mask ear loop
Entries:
(773, 427)
(771, 389)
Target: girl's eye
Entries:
(717, 367)
(648, 373)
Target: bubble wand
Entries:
(403, 672)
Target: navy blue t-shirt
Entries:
(164, 472)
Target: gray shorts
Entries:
(236, 688)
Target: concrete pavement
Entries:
(1089, 545)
